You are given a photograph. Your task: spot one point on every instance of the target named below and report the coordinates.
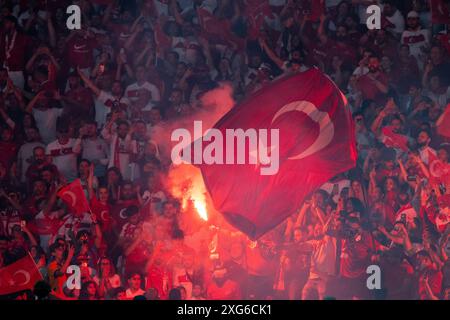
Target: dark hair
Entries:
(132, 274)
(177, 234)
(115, 292)
(123, 122)
(84, 160)
(116, 171)
(84, 295)
(41, 290)
(175, 294)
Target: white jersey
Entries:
(103, 104)
(132, 91)
(46, 122)
(96, 149)
(64, 157)
(417, 41)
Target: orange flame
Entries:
(186, 183)
(200, 206)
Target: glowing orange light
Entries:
(200, 206)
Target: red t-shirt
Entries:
(355, 256)
(18, 51)
(8, 152)
(369, 89)
(80, 52)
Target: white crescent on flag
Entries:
(72, 196)
(102, 215)
(121, 213)
(25, 274)
(326, 126)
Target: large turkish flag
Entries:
(316, 142)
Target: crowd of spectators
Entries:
(84, 104)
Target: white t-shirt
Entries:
(416, 40)
(186, 48)
(113, 280)
(46, 122)
(103, 104)
(131, 295)
(425, 154)
(360, 71)
(133, 89)
(96, 149)
(65, 157)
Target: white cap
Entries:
(413, 14)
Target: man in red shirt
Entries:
(374, 84)
(14, 46)
(79, 49)
(79, 99)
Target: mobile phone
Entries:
(403, 218)
(412, 178)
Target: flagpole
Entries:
(37, 268)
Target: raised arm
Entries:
(270, 53)
(88, 82)
(12, 201)
(301, 215)
(174, 8)
(33, 102)
(51, 30)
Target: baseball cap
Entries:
(413, 14)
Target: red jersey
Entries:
(13, 50)
(80, 52)
(369, 89)
(8, 152)
(355, 256)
